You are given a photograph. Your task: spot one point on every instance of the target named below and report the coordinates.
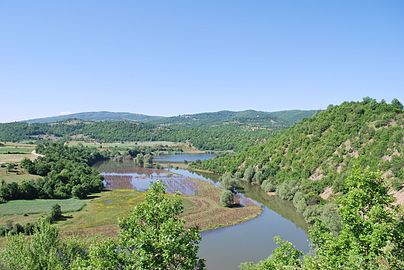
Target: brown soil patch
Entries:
(326, 193)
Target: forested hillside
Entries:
(210, 131)
(248, 117)
(308, 162)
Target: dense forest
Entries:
(66, 172)
(308, 162)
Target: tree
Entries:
(10, 167)
(43, 251)
(370, 236)
(371, 232)
(227, 198)
(228, 182)
(148, 160)
(139, 160)
(249, 174)
(56, 213)
(152, 237)
(286, 256)
(79, 191)
(397, 103)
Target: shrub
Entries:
(268, 186)
(56, 213)
(227, 198)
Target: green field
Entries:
(15, 150)
(17, 175)
(21, 207)
(122, 144)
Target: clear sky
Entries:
(176, 57)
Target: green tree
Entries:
(56, 213)
(227, 198)
(249, 174)
(10, 167)
(228, 182)
(397, 103)
(152, 237)
(139, 160)
(43, 251)
(372, 227)
(286, 257)
(371, 235)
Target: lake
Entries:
(183, 157)
(224, 248)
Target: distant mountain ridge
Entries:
(279, 118)
(97, 116)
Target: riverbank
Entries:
(101, 214)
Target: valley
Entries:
(266, 202)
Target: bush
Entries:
(228, 182)
(287, 190)
(268, 186)
(56, 213)
(227, 198)
(299, 202)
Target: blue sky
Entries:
(176, 57)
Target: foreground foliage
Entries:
(152, 237)
(42, 251)
(371, 236)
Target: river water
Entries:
(224, 248)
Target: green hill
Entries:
(97, 116)
(248, 117)
(309, 161)
(223, 130)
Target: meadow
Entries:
(22, 207)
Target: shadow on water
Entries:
(282, 207)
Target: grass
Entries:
(14, 158)
(17, 175)
(21, 207)
(126, 145)
(15, 152)
(101, 214)
(16, 149)
(121, 144)
(207, 213)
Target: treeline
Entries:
(318, 153)
(210, 137)
(67, 173)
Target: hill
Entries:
(250, 117)
(247, 117)
(97, 116)
(308, 162)
(223, 130)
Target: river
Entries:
(225, 248)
